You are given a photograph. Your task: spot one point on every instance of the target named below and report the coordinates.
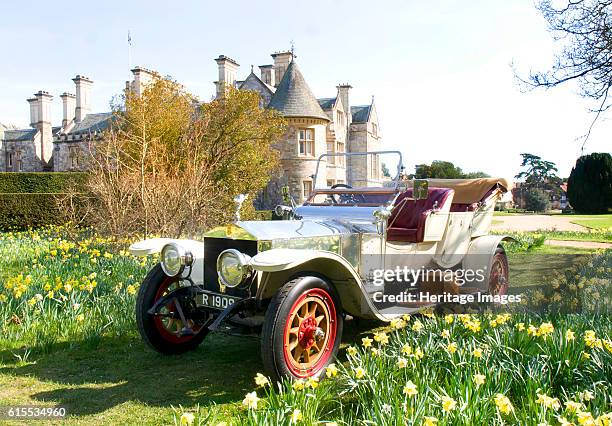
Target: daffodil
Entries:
(479, 379)
(410, 389)
(406, 349)
(312, 382)
(477, 353)
(381, 337)
(352, 351)
(445, 334)
(187, 419)
(250, 400)
(573, 406)
(402, 363)
(359, 373)
(331, 370)
(366, 342)
(548, 402)
(417, 326)
(503, 403)
(296, 416)
(398, 323)
(449, 318)
(430, 421)
(261, 380)
(570, 335)
(451, 347)
(298, 385)
(448, 403)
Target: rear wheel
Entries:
(163, 332)
(302, 329)
(498, 278)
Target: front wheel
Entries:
(498, 278)
(302, 329)
(163, 332)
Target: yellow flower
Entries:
(47, 287)
(406, 349)
(589, 338)
(445, 334)
(352, 351)
(312, 382)
(375, 351)
(503, 403)
(417, 326)
(410, 389)
(296, 416)
(477, 352)
(448, 403)
(359, 372)
(67, 288)
(261, 380)
(452, 347)
(187, 419)
(585, 418)
(406, 317)
(398, 323)
(331, 370)
(569, 335)
(131, 289)
(545, 329)
(449, 318)
(3, 298)
(430, 421)
(479, 379)
(367, 342)
(548, 402)
(564, 422)
(298, 385)
(418, 353)
(381, 337)
(80, 317)
(586, 355)
(586, 395)
(532, 330)
(251, 400)
(402, 363)
(573, 406)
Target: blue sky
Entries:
(439, 70)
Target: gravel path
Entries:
(534, 222)
(580, 244)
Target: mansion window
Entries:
(331, 150)
(375, 166)
(306, 142)
(375, 129)
(307, 188)
(341, 158)
(73, 154)
(18, 163)
(9, 161)
(340, 118)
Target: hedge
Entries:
(20, 211)
(43, 182)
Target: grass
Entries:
(78, 347)
(594, 222)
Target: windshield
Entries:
(365, 197)
(362, 169)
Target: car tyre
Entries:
(162, 334)
(302, 329)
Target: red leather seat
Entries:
(407, 221)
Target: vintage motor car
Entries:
(295, 281)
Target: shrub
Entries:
(537, 200)
(43, 182)
(589, 188)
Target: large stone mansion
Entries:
(315, 126)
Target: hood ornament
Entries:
(239, 199)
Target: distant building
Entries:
(315, 127)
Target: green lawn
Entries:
(594, 222)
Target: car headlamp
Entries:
(174, 259)
(233, 267)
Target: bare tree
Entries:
(584, 30)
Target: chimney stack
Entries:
(41, 120)
(34, 112)
(83, 86)
(227, 73)
(343, 93)
(142, 78)
(281, 62)
(267, 75)
(69, 105)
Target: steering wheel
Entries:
(333, 197)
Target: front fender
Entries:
(155, 245)
(277, 266)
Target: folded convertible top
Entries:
(469, 191)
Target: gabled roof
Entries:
(20, 134)
(92, 123)
(361, 113)
(252, 78)
(293, 97)
(327, 103)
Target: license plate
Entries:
(215, 300)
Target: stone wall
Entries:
(69, 156)
(29, 152)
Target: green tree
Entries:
(589, 187)
(539, 173)
(537, 200)
(443, 170)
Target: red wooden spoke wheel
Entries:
(498, 280)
